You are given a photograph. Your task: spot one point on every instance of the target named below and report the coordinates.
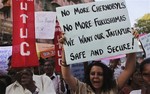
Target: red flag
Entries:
(24, 49)
(58, 48)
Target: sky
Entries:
(136, 9)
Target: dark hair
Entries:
(3, 87)
(145, 61)
(9, 59)
(108, 78)
(51, 61)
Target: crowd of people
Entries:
(100, 79)
(133, 78)
(28, 81)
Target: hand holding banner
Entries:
(96, 30)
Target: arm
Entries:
(129, 67)
(66, 74)
(65, 69)
(128, 71)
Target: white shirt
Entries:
(16, 88)
(57, 84)
(136, 92)
(43, 83)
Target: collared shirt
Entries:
(16, 88)
(136, 92)
(43, 83)
(57, 84)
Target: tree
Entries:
(143, 24)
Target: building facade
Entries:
(5, 22)
(6, 27)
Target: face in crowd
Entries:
(25, 77)
(145, 71)
(48, 67)
(98, 75)
(137, 80)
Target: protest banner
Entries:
(24, 49)
(145, 41)
(5, 52)
(58, 47)
(45, 25)
(96, 30)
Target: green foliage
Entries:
(143, 24)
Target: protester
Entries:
(99, 77)
(145, 73)
(134, 83)
(59, 84)
(24, 84)
(28, 83)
